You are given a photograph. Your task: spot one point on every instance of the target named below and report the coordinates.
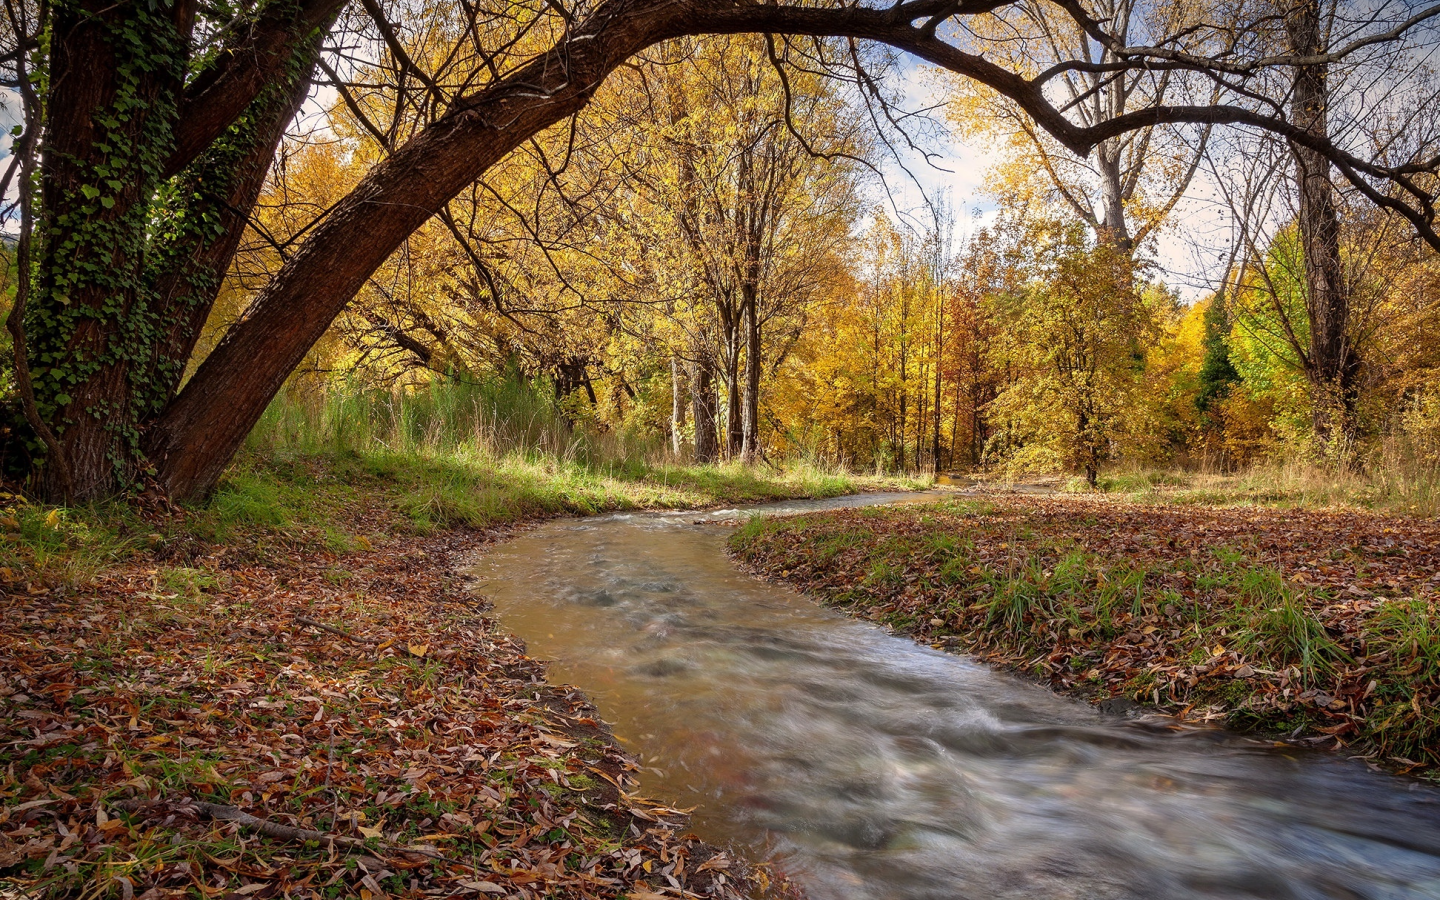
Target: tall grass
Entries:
(498, 417)
(477, 454)
(341, 465)
(1392, 480)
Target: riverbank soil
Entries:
(1315, 626)
(230, 704)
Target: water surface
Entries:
(876, 768)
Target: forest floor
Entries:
(1313, 626)
(292, 692)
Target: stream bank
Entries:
(1315, 626)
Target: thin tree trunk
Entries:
(733, 436)
(750, 418)
(939, 387)
(677, 408)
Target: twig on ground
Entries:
(303, 620)
(280, 832)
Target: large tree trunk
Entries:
(112, 114)
(1332, 365)
(1113, 229)
(139, 219)
(750, 418)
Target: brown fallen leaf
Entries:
(10, 853)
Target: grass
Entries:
(338, 467)
(481, 454)
(1397, 486)
(1283, 623)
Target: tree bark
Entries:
(1113, 230)
(750, 418)
(111, 113)
(1332, 365)
(702, 409)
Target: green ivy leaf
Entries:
(62, 399)
(107, 202)
(90, 191)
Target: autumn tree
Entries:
(738, 219)
(150, 130)
(1128, 184)
(1073, 344)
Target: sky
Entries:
(9, 118)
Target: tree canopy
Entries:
(153, 159)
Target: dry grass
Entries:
(1394, 485)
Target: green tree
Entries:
(1073, 342)
(1217, 372)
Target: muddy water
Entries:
(878, 769)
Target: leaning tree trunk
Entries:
(195, 437)
(1332, 365)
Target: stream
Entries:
(870, 767)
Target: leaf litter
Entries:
(295, 722)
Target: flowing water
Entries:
(875, 768)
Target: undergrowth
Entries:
(1394, 486)
(336, 469)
